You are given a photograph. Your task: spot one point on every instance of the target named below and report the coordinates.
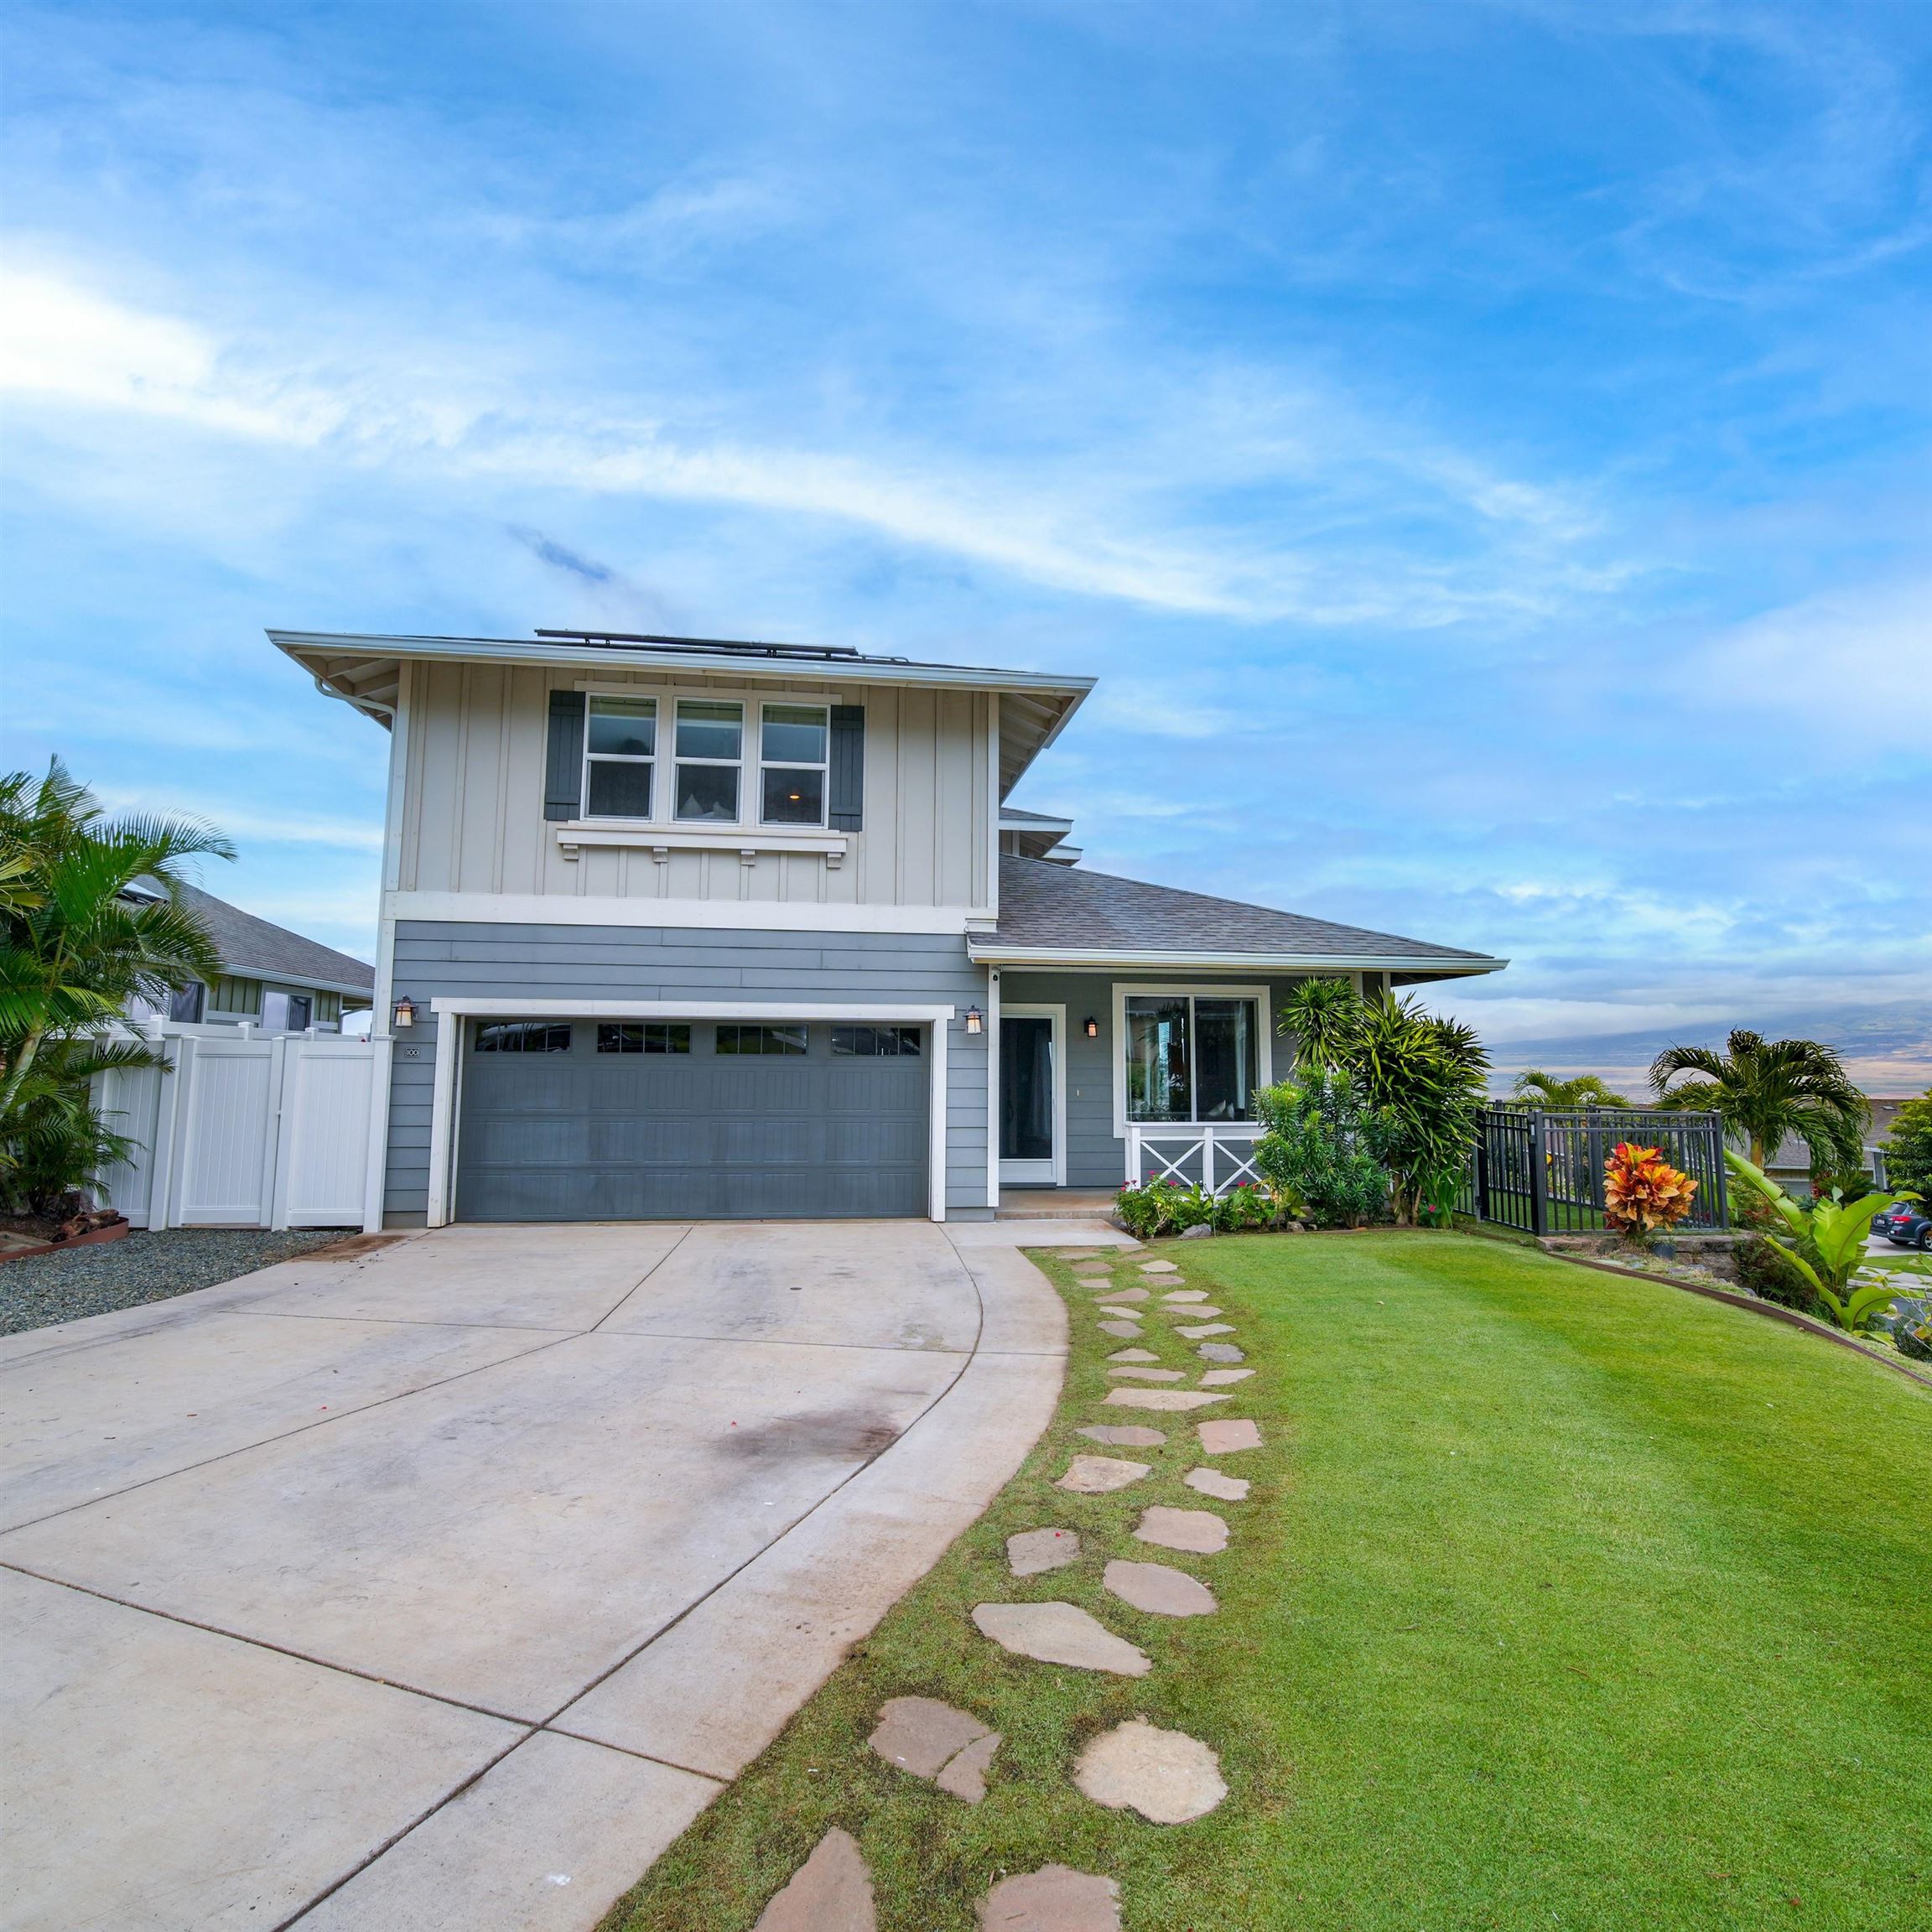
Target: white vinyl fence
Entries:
(245, 1130)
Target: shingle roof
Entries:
(1067, 908)
(255, 949)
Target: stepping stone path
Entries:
(1160, 1590)
(1199, 1329)
(1224, 1378)
(1034, 1550)
(1133, 1355)
(1200, 1532)
(1059, 1634)
(1100, 1475)
(1055, 1898)
(1219, 1352)
(1159, 1268)
(1167, 1776)
(932, 1741)
(1126, 1331)
(1161, 1398)
(1198, 1314)
(1187, 1295)
(1213, 1482)
(1224, 1438)
(831, 1892)
(1126, 1295)
(1147, 1374)
(1126, 1437)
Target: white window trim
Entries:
(452, 1037)
(1263, 1052)
(738, 764)
(648, 697)
(823, 767)
(1008, 1176)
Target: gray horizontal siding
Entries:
(445, 960)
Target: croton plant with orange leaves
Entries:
(1642, 1193)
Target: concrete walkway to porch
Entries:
(444, 1586)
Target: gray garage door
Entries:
(632, 1120)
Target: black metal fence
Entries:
(1541, 1169)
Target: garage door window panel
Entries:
(648, 1037)
(763, 1042)
(522, 1036)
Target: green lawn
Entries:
(1561, 1600)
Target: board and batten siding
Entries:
(472, 819)
(452, 960)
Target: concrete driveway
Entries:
(444, 1586)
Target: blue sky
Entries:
(1482, 450)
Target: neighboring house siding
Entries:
(436, 959)
(475, 822)
(1096, 1156)
(241, 997)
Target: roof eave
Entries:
(993, 952)
(283, 977)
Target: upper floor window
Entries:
(620, 757)
(792, 753)
(710, 760)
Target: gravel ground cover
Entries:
(44, 1288)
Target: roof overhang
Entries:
(280, 976)
(365, 671)
(989, 951)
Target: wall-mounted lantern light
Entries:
(975, 1020)
(405, 1011)
(1092, 1027)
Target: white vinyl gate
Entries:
(242, 1130)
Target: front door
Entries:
(1031, 1100)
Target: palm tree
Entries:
(1535, 1088)
(1763, 1090)
(77, 948)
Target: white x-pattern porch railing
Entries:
(1225, 1152)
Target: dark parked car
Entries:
(1908, 1225)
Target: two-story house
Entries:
(678, 928)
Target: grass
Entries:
(1561, 1600)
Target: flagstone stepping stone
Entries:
(1100, 1475)
(1195, 1333)
(1213, 1482)
(1125, 1294)
(1220, 1351)
(1196, 1314)
(831, 1892)
(1161, 1398)
(1223, 1438)
(1199, 1532)
(922, 1736)
(1187, 1295)
(1159, 1268)
(965, 1776)
(1158, 1590)
(1034, 1550)
(1146, 1375)
(1126, 1331)
(1223, 1378)
(1167, 1776)
(1055, 1898)
(1124, 1436)
(1133, 1355)
(1059, 1634)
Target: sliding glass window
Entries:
(1190, 1059)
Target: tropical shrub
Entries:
(1246, 1207)
(1161, 1207)
(1536, 1090)
(1763, 1090)
(1826, 1244)
(1324, 1019)
(1763, 1267)
(1643, 1193)
(1910, 1325)
(1908, 1147)
(1323, 1148)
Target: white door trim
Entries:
(450, 1031)
(1053, 1172)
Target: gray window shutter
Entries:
(845, 810)
(563, 763)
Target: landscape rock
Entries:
(1213, 1482)
(1126, 1331)
(1122, 1436)
(1202, 1314)
(1199, 1232)
(1159, 1268)
(1148, 1374)
(1160, 1398)
(1185, 1295)
(1201, 1328)
(1220, 1351)
(1100, 1475)
(831, 1892)
(1032, 1551)
(1059, 1634)
(1224, 1378)
(1159, 1590)
(1055, 1898)
(921, 1735)
(1199, 1532)
(1167, 1776)
(1133, 1294)
(1224, 1438)
(965, 1775)
(1133, 1355)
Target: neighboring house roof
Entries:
(1793, 1153)
(253, 948)
(1037, 834)
(1064, 914)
